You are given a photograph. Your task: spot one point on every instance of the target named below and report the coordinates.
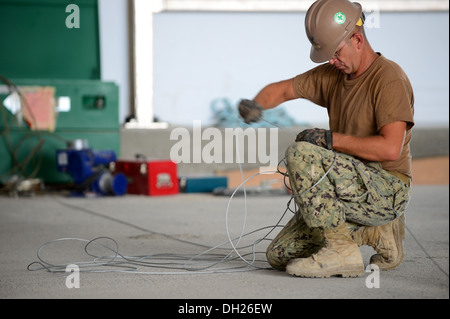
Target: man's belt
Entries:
(404, 178)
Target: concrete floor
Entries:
(143, 226)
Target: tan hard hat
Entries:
(327, 23)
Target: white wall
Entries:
(114, 52)
(200, 57)
(419, 42)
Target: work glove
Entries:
(250, 111)
(316, 136)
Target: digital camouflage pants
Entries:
(351, 193)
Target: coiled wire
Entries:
(206, 262)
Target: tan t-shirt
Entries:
(362, 106)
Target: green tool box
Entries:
(36, 42)
(85, 109)
(40, 49)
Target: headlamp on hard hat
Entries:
(361, 20)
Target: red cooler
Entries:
(153, 178)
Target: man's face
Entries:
(344, 56)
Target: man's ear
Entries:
(359, 40)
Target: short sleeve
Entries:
(395, 103)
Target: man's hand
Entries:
(250, 111)
(316, 136)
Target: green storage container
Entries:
(39, 49)
(37, 44)
(93, 115)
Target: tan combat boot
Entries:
(340, 256)
(387, 240)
